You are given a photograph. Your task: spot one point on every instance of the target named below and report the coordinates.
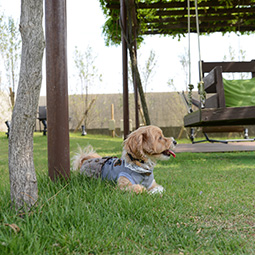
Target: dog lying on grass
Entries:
(134, 171)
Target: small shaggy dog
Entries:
(134, 171)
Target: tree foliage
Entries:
(111, 28)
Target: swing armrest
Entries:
(213, 83)
(210, 82)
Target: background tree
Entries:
(23, 180)
(147, 72)
(87, 73)
(1, 36)
(10, 43)
(149, 69)
(184, 60)
(171, 85)
(232, 56)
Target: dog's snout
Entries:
(174, 142)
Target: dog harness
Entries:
(111, 169)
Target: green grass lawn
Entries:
(207, 208)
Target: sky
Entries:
(84, 29)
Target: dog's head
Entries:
(149, 142)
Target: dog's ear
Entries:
(134, 144)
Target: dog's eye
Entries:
(160, 138)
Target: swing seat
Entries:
(219, 107)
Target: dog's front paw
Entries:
(137, 188)
(157, 190)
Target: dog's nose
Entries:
(174, 142)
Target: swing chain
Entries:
(201, 89)
(191, 87)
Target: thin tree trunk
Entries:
(139, 85)
(23, 182)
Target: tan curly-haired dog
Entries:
(134, 171)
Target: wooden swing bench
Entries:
(216, 116)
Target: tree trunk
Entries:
(131, 47)
(136, 73)
(23, 180)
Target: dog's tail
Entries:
(81, 155)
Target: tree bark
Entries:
(23, 182)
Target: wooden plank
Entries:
(191, 118)
(229, 115)
(203, 29)
(230, 66)
(204, 12)
(215, 147)
(221, 116)
(223, 129)
(174, 4)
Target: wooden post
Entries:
(57, 89)
(123, 21)
(112, 117)
(133, 14)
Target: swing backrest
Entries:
(213, 82)
(231, 67)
